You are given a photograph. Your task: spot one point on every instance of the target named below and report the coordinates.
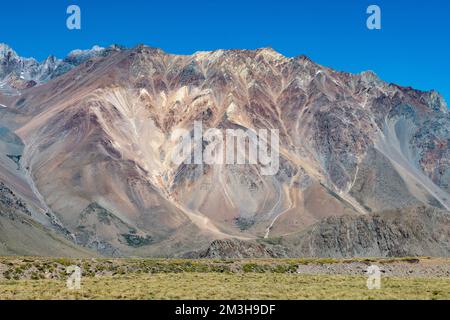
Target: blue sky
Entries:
(411, 49)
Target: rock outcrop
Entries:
(421, 231)
(236, 249)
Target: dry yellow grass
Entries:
(195, 285)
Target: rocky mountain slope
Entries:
(418, 231)
(86, 143)
(408, 232)
(18, 73)
(20, 234)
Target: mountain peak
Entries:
(94, 49)
(6, 50)
(34, 72)
(370, 77)
(270, 53)
(3, 46)
(268, 50)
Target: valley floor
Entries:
(28, 278)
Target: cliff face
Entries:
(417, 231)
(95, 150)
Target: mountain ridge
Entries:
(350, 145)
(83, 54)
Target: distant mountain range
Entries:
(18, 73)
(86, 170)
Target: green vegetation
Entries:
(41, 278)
(227, 286)
(137, 241)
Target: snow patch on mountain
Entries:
(17, 73)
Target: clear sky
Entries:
(411, 49)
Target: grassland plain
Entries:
(45, 278)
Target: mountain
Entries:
(20, 234)
(17, 73)
(87, 146)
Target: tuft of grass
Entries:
(64, 261)
(228, 286)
